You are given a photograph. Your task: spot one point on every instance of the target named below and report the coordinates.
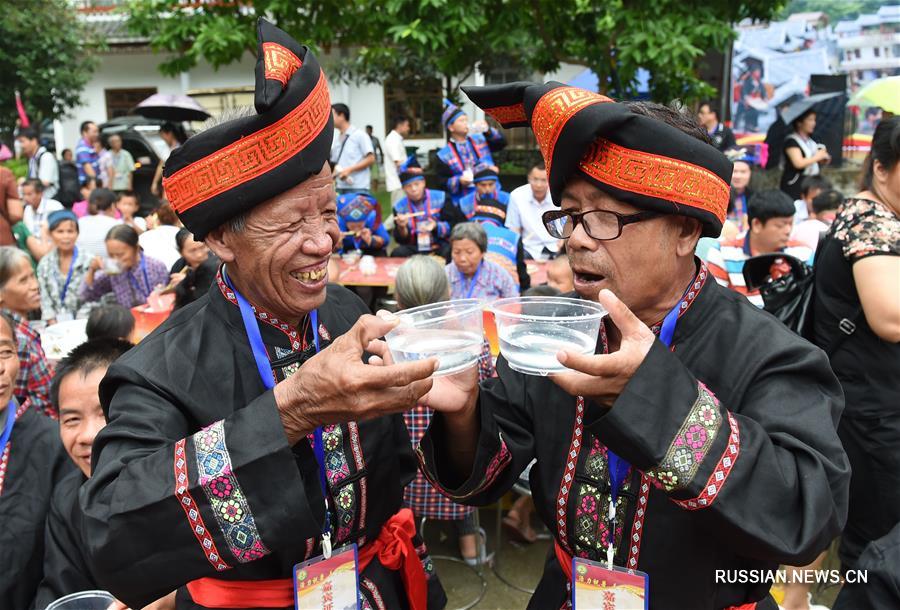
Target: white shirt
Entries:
(34, 218)
(800, 211)
(44, 166)
(524, 215)
(92, 232)
(159, 243)
(343, 155)
(394, 152)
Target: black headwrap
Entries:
(632, 157)
(228, 169)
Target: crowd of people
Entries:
(266, 423)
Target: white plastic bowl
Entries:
(452, 331)
(533, 330)
(83, 600)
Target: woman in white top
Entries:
(802, 155)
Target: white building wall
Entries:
(139, 70)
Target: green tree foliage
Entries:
(616, 37)
(447, 38)
(835, 9)
(44, 54)
(221, 32)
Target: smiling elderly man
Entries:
(702, 432)
(236, 446)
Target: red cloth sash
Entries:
(394, 548)
(565, 562)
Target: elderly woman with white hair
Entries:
(421, 281)
(19, 296)
(471, 276)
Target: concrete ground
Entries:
(519, 564)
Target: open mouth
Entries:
(588, 278)
(312, 276)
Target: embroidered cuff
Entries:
(224, 493)
(719, 476)
(691, 444)
(492, 456)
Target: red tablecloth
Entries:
(386, 271)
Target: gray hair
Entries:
(470, 230)
(239, 222)
(10, 258)
(421, 280)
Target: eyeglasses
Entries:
(599, 224)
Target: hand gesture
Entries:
(96, 264)
(365, 235)
(452, 394)
(336, 386)
(602, 377)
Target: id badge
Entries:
(424, 241)
(328, 584)
(64, 316)
(594, 587)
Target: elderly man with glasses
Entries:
(698, 441)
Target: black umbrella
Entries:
(797, 109)
(171, 107)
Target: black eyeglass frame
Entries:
(623, 219)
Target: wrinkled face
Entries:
(467, 256)
(559, 276)
(31, 195)
(414, 190)
(29, 145)
(740, 177)
(9, 363)
(64, 235)
(194, 252)
(280, 259)
(127, 205)
(486, 187)
(115, 143)
(80, 415)
(91, 133)
(638, 266)
(772, 235)
(20, 293)
(460, 127)
(537, 178)
(126, 256)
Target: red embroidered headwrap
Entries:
(228, 169)
(632, 157)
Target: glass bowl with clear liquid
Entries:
(533, 330)
(451, 331)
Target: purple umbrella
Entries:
(171, 107)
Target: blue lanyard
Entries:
(264, 367)
(10, 422)
(136, 284)
(618, 467)
(474, 282)
(65, 288)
